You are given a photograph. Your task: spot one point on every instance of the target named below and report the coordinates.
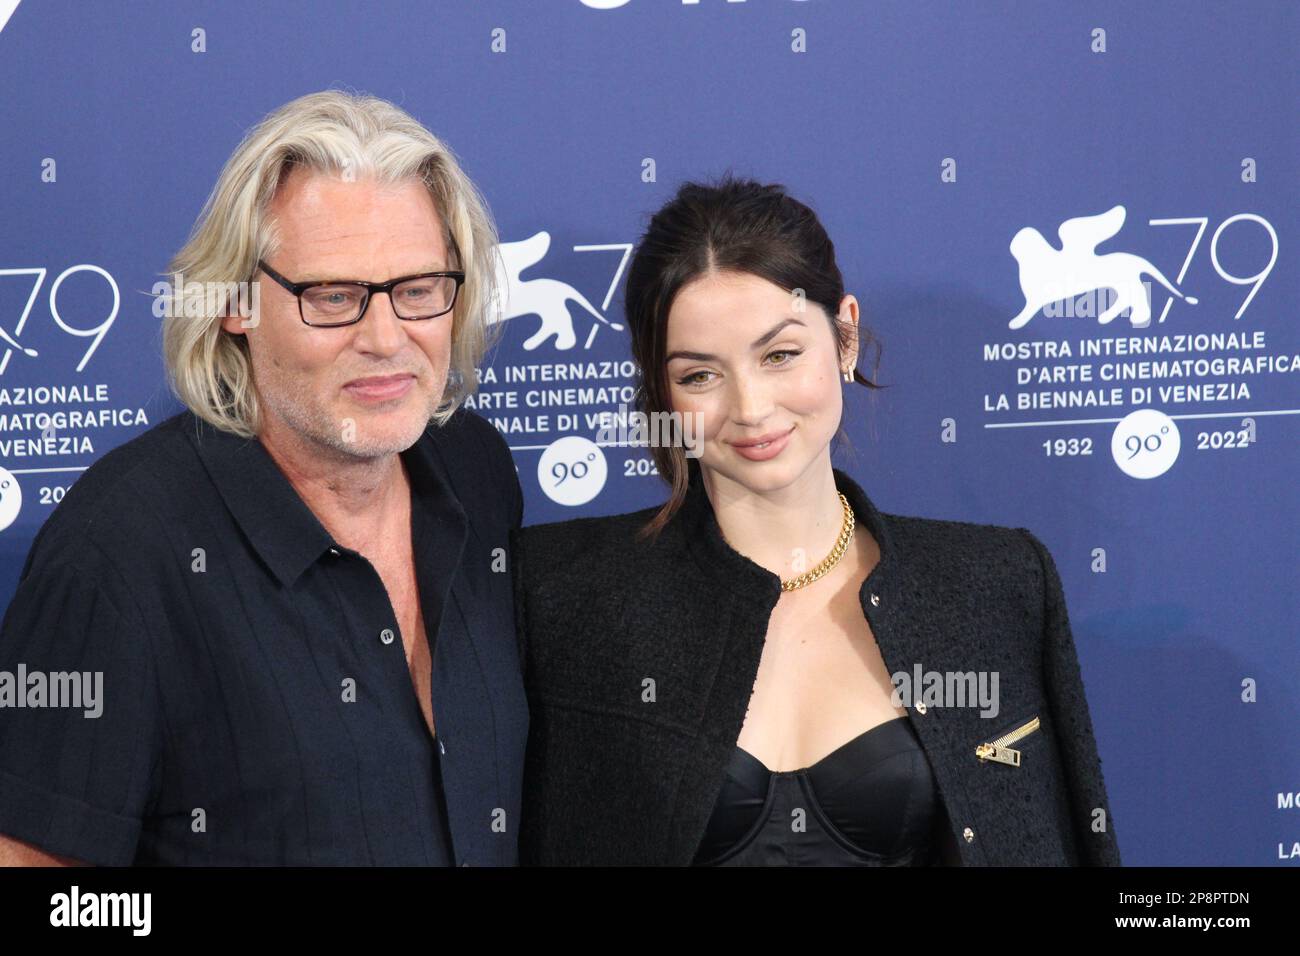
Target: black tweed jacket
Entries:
(613, 778)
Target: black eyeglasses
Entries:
(328, 303)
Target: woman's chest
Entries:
(821, 681)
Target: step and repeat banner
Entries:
(1073, 228)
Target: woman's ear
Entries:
(848, 317)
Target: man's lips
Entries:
(381, 386)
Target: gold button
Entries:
(920, 707)
(969, 834)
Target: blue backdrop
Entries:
(942, 144)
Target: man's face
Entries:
(368, 389)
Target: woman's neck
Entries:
(787, 531)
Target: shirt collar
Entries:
(284, 532)
(736, 571)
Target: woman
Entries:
(710, 680)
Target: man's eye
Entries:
(332, 297)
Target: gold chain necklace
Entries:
(832, 559)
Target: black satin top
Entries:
(872, 802)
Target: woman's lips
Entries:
(380, 389)
(766, 450)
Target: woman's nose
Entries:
(751, 401)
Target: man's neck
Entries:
(356, 499)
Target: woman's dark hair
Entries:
(731, 225)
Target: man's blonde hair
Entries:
(330, 132)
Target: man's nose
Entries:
(380, 330)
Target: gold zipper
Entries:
(1000, 749)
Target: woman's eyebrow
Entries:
(757, 344)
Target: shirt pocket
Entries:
(1015, 792)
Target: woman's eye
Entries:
(694, 379)
(790, 352)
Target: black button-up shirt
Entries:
(256, 703)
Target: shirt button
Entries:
(875, 600)
(386, 635)
(969, 834)
(920, 707)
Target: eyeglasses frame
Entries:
(298, 288)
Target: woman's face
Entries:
(756, 365)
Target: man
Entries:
(296, 591)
